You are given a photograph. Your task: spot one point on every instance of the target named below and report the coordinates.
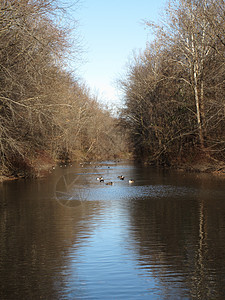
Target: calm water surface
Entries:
(71, 237)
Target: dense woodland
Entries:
(175, 89)
(46, 113)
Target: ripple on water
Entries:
(106, 193)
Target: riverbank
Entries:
(44, 169)
(216, 168)
(7, 178)
(43, 164)
(36, 166)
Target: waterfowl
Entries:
(109, 183)
(131, 181)
(121, 177)
(99, 178)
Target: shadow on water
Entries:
(71, 236)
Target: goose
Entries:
(99, 178)
(121, 177)
(109, 183)
(131, 181)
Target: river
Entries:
(70, 236)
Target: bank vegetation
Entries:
(175, 89)
(46, 113)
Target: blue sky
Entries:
(111, 31)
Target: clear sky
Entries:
(111, 31)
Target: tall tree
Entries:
(187, 29)
(174, 91)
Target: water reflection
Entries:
(36, 237)
(72, 237)
(180, 241)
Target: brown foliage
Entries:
(174, 90)
(44, 111)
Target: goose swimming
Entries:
(109, 183)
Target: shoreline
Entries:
(214, 168)
(207, 168)
(4, 178)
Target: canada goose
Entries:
(109, 183)
(131, 181)
(121, 177)
(99, 178)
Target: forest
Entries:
(174, 90)
(47, 114)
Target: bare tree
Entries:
(172, 89)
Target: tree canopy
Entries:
(46, 113)
(174, 89)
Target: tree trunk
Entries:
(196, 92)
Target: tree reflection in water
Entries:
(161, 238)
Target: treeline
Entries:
(175, 89)
(45, 113)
